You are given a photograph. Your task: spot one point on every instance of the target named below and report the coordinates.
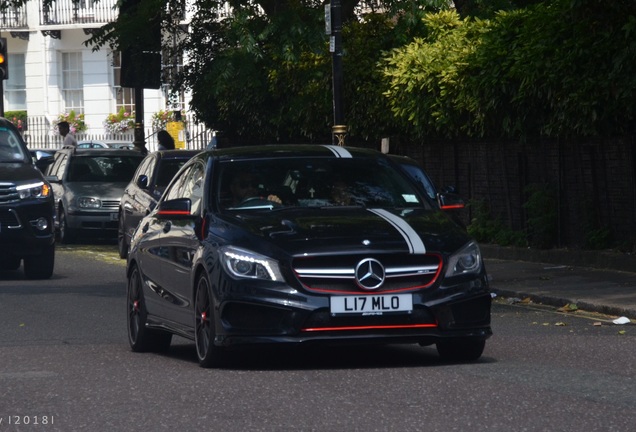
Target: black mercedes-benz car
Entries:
(303, 244)
(26, 209)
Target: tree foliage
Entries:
(560, 68)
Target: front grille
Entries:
(8, 193)
(9, 219)
(336, 274)
(112, 204)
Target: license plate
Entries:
(372, 304)
(114, 216)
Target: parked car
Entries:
(303, 244)
(26, 209)
(144, 190)
(115, 144)
(447, 199)
(88, 185)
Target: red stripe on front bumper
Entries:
(376, 327)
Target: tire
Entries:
(141, 338)
(461, 349)
(122, 244)
(40, 266)
(208, 354)
(67, 235)
(10, 263)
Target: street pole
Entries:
(140, 139)
(339, 129)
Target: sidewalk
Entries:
(595, 282)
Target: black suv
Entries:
(26, 209)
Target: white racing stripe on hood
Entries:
(339, 151)
(413, 240)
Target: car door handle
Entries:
(167, 227)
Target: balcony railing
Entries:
(13, 17)
(65, 12)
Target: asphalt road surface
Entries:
(65, 365)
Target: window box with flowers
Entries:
(161, 118)
(120, 122)
(75, 121)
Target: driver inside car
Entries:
(244, 186)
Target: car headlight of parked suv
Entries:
(34, 190)
(242, 263)
(89, 202)
(465, 261)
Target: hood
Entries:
(103, 191)
(351, 230)
(19, 173)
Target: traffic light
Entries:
(4, 59)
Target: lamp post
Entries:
(334, 28)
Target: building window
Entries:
(172, 65)
(124, 96)
(15, 86)
(72, 82)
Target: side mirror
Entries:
(142, 181)
(179, 208)
(450, 200)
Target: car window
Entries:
(418, 175)
(189, 184)
(102, 168)
(145, 168)
(11, 148)
(310, 182)
(59, 166)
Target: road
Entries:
(65, 364)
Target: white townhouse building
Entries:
(52, 71)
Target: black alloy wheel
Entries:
(208, 354)
(141, 338)
(122, 245)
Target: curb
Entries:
(602, 260)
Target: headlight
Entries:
(242, 263)
(88, 202)
(466, 260)
(34, 190)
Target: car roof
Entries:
(292, 151)
(101, 152)
(104, 142)
(177, 154)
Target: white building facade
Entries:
(52, 72)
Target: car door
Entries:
(181, 241)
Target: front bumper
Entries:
(93, 220)
(26, 230)
(288, 316)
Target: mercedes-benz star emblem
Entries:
(370, 274)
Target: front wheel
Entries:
(122, 244)
(40, 266)
(140, 338)
(208, 354)
(67, 235)
(461, 349)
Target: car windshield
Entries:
(97, 169)
(11, 149)
(315, 182)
